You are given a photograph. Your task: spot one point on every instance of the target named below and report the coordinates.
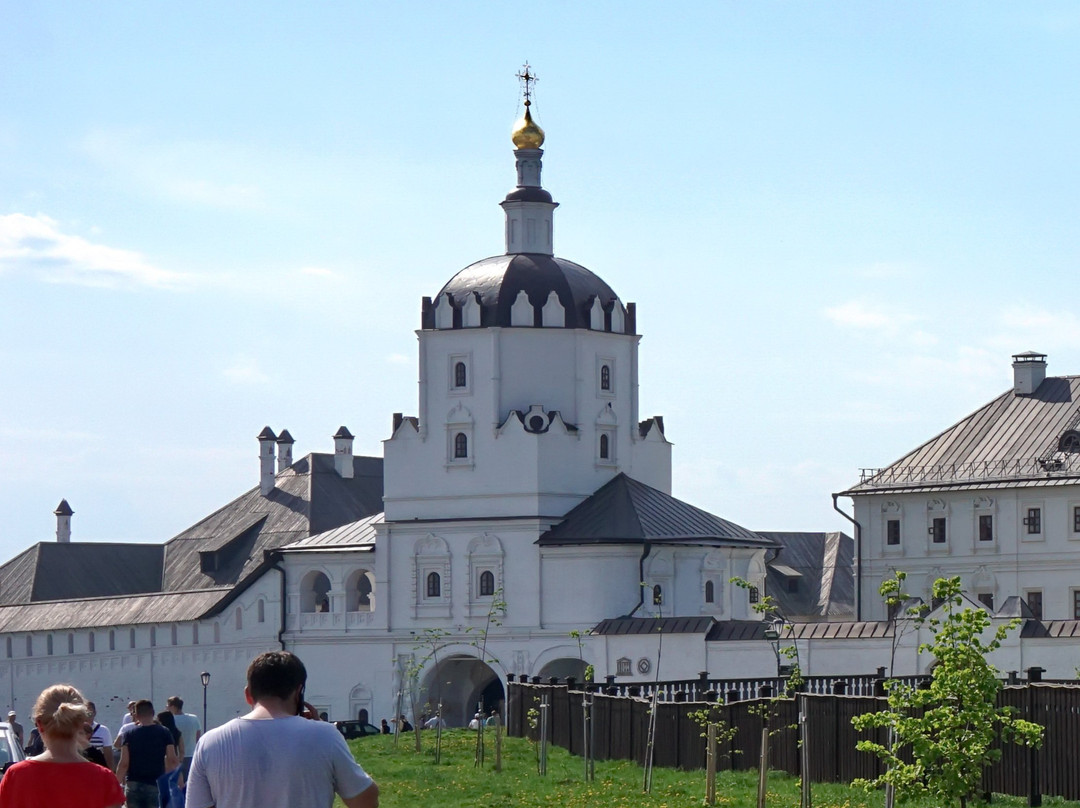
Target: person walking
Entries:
(148, 751)
(101, 737)
(60, 777)
(279, 755)
(16, 727)
(190, 728)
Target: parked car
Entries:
(10, 750)
(356, 729)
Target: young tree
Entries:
(948, 730)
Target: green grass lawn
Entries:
(407, 779)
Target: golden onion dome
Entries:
(527, 135)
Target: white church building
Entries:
(527, 499)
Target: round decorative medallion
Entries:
(643, 665)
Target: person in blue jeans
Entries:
(148, 751)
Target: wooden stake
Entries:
(710, 766)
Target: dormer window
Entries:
(461, 446)
(1070, 442)
(605, 377)
(461, 378)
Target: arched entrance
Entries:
(462, 683)
(563, 667)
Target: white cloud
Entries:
(245, 370)
(320, 272)
(861, 314)
(35, 245)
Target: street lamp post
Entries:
(205, 676)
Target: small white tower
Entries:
(266, 460)
(63, 522)
(343, 457)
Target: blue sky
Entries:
(838, 220)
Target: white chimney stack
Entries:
(267, 439)
(63, 522)
(284, 450)
(1029, 370)
(343, 462)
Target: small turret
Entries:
(343, 456)
(267, 438)
(284, 450)
(63, 521)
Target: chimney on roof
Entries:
(284, 450)
(63, 522)
(343, 464)
(267, 439)
(1029, 370)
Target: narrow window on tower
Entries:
(434, 585)
(892, 532)
(460, 375)
(755, 595)
(710, 591)
(605, 377)
(461, 445)
(605, 448)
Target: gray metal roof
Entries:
(822, 564)
(1011, 442)
(112, 611)
(625, 511)
(60, 585)
(653, 625)
(359, 534)
(743, 630)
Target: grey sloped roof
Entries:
(625, 511)
(111, 611)
(60, 585)
(823, 565)
(58, 570)
(653, 625)
(358, 534)
(309, 497)
(1010, 441)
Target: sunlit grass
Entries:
(407, 779)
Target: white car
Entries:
(10, 750)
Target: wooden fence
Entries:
(620, 727)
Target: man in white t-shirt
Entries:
(190, 729)
(280, 755)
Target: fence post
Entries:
(805, 799)
(1035, 790)
(710, 766)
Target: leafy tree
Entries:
(948, 730)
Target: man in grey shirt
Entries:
(280, 755)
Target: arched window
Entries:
(434, 585)
(657, 595)
(605, 448)
(461, 445)
(239, 617)
(709, 592)
(605, 377)
(363, 593)
(487, 583)
(315, 592)
(460, 375)
(261, 611)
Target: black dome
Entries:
(497, 281)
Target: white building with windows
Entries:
(994, 499)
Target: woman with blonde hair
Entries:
(60, 777)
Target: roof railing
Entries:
(1059, 464)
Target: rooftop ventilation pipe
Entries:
(63, 521)
(267, 438)
(343, 457)
(284, 450)
(1029, 370)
